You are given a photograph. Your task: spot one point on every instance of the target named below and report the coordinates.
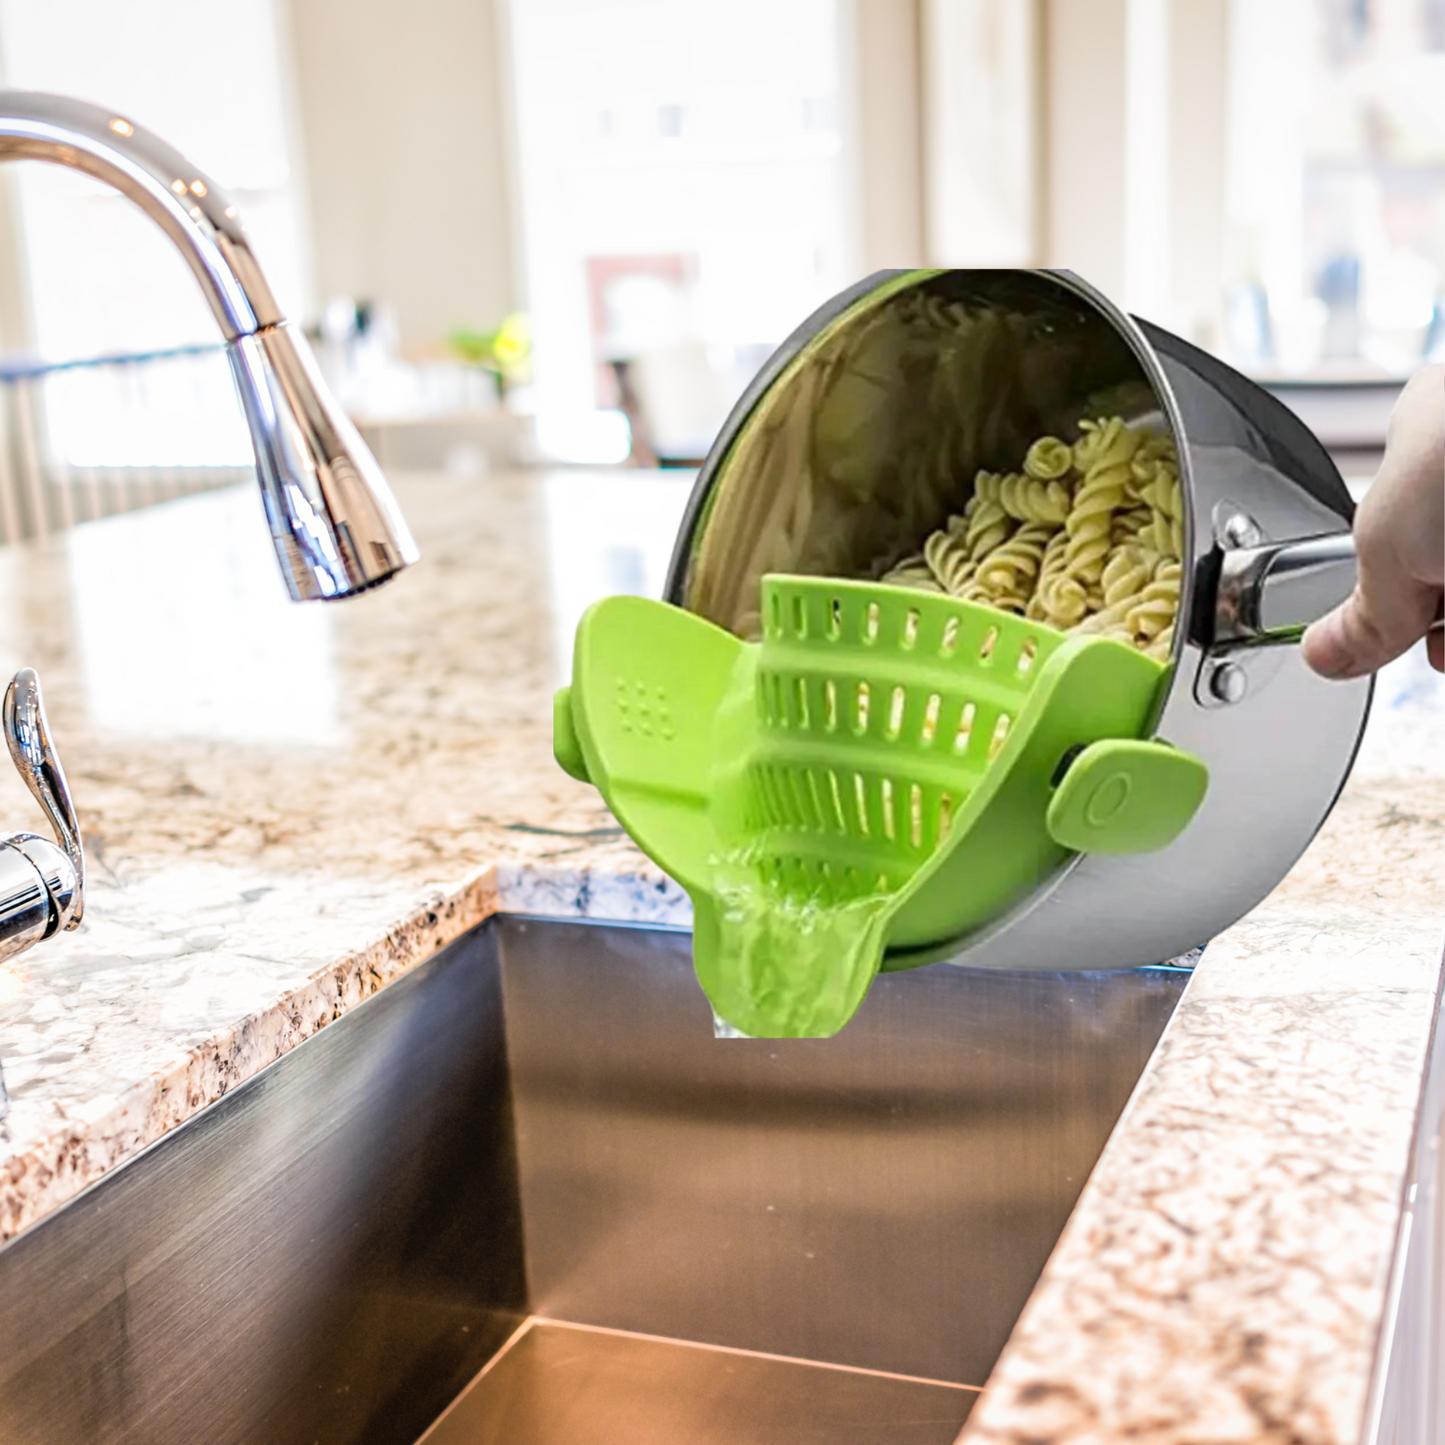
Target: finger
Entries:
(1368, 630)
(1435, 650)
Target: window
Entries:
(1336, 207)
(682, 189)
(100, 276)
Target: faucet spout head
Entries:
(336, 527)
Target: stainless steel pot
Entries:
(864, 431)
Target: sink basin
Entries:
(523, 1195)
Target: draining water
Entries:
(781, 965)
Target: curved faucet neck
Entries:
(185, 203)
(336, 527)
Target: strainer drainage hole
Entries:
(915, 815)
(830, 705)
(965, 727)
(798, 796)
(860, 797)
(990, 641)
(835, 618)
(895, 712)
(862, 713)
(775, 793)
(888, 830)
(950, 637)
(775, 615)
(945, 815)
(819, 811)
(765, 797)
(800, 617)
(1026, 657)
(1000, 733)
(870, 625)
(839, 816)
(930, 719)
(910, 628)
(800, 687)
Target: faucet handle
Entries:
(27, 735)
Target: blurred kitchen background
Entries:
(571, 230)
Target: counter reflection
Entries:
(184, 631)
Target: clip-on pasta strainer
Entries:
(864, 433)
(885, 769)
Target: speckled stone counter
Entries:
(285, 808)
(1226, 1273)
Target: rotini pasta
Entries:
(1005, 578)
(1103, 454)
(918, 572)
(1058, 599)
(1049, 459)
(1064, 602)
(1109, 622)
(947, 555)
(1156, 605)
(1086, 537)
(1126, 574)
(1128, 525)
(1163, 645)
(1026, 498)
(987, 527)
(1167, 501)
(1106, 442)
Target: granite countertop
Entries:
(1226, 1273)
(284, 808)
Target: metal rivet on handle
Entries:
(1228, 683)
(1239, 529)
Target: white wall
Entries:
(402, 111)
(1197, 148)
(882, 50)
(98, 275)
(1134, 172)
(404, 127)
(981, 101)
(1085, 85)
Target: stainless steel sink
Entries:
(524, 1196)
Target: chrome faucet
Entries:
(42, 885)
(334, 522)
(336, 526)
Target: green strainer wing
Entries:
(653, 691)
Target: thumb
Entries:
(1360, 636)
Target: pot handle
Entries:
(1270, 594)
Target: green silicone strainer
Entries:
(886, 770)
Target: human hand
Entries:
(1400, 539)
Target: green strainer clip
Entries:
(886, 771)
